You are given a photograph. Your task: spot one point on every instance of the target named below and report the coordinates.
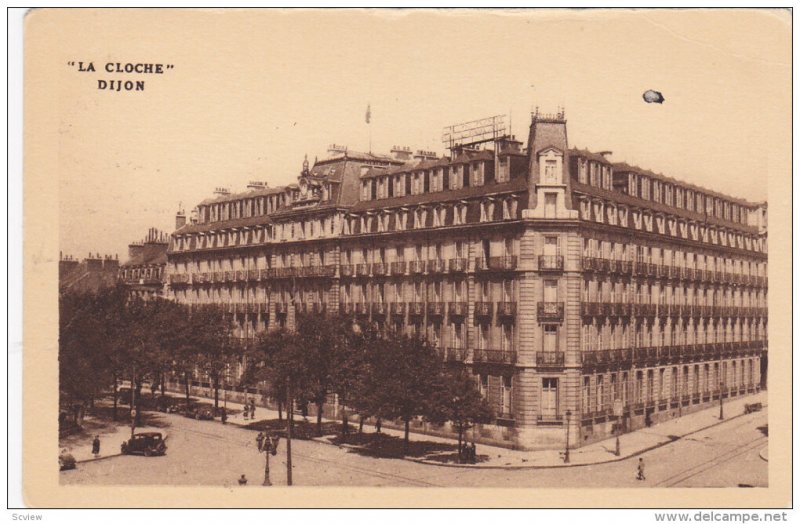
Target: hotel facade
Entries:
(579, 291)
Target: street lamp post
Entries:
(566, 448)
(721, 414)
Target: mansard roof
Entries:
(631, 201)
(518, 184)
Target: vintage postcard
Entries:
(497, 258)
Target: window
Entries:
(549, 400)
(484, 384)
(550, 338)
(506, 396)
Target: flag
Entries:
(368, 115)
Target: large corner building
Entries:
(567, 283)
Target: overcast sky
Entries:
(252, 92)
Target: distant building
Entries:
(87, 276)
(569, 285)
(143, 272)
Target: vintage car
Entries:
(201, 413)
(66, 461)
(147, 444)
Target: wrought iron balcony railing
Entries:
(550, 311)
(551, 263)
(550, 359)
(458, 309)
(483, 309)
(506, 309)
(458, 265)
(494, 356)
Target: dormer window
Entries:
(550, 166)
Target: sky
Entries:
(252, 92)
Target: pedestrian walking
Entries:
(252, 409)
(96, 446)
(640, 470)
(378, 425)
(260, 440)
(224, 416)
(242, 480)
(473, 454)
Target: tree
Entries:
(404, 372)
(458, 400)
(214, 347)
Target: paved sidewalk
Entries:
(111, 440)
(631, 444)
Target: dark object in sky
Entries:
(652, 97)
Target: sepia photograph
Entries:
(521, 253)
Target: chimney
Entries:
(221, 191)
(425, 155)
(180, 219)
(336, 149)
(255, 185)
(401, 153)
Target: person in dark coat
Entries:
(224, 416)
(242, 480)
(260, 440)
(640, 470)
(96, 446)
(252, 409)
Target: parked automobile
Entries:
(201, 413)
(147, 444)
(66, 461)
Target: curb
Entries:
(764, 454)
(98, 458)
(428, 462)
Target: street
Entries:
(209, 453)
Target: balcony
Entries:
(551, 263)
(252, 275)
(346, 270)
(550, 359)
(416, 309)
(602, 265)
(493, 356)
(416, 267)
(380, 269)
(347, 308)
(436, 266)
(550, 311)
(675, 272)
(590, 309)
(662, 271)
(458, 309)
(592, 358)
(241, 275)
(505, 263)
(483, 309)
(229, 276)
(180, 279)
(362, 270)
(218, 277)
(587, 264)
(436, 309)
(380, 309)
(454, 354)
(458, 265)
(252, 308)
(398, 267)
(398, 309)
(506, 309)
(281, 308)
